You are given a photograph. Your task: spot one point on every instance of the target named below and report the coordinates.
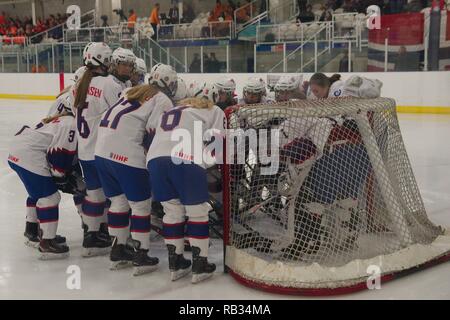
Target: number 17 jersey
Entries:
(125, 127)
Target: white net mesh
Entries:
(344, 191)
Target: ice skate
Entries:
(201, 269)
(121, 256)
(178, 265)
(50, 249)
(142, 263)
(95, 245)
(32, 235)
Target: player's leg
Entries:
(118, 215)
(136, 185)
(193, 192)
(174, 217)
(46, 211)
(93, 212)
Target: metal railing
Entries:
(249, 14)
(196, 31)
(347, 27)
(312, 38)
(284, 12)
(295, 32)
(119, 33)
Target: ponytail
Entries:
(323, 81)
(65, 90)
(335, 77)
(142, 93)
(198, 103)
(51, 118)
(82, 88)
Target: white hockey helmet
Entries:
(195, 88)
(79, 74)
(97, 54)
(182, 92)
(86, 47)
(210, 92)
(140, 67)
(256, 86)
(165, 77)
(287, 83)
(125, 56)
(226, 85)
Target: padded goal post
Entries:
(322, 194)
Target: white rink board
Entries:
(418, 89)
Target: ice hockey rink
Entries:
(23, 276)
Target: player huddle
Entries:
(114, 127)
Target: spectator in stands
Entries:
(154, 20)
(218, 9)
(307, 15)
(233, 6)
(414, 6)
(327, 14)
(188, 13)
(174, 14)
(406, 61)
(302, 6)
(396, 6)
(2, 18)
(212, 65)
(243, 15)
(132, 18)
(195, 66)
(349, 6)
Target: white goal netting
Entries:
(324, 191)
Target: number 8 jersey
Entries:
(102, 93)
(126, 126)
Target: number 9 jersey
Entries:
(126, 127)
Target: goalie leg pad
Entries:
(140, 222)
(119, 218)
(48, 215)
(173, 224)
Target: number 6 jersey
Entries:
(102, 93)
(125, 127)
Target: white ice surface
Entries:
(23, 276)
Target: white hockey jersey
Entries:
(125, 126)
(336, 89)
(187, 144)
(48, 149)
(62, 102)
(102, 94)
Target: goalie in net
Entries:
(344, 197)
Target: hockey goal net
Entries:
(318, 192)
